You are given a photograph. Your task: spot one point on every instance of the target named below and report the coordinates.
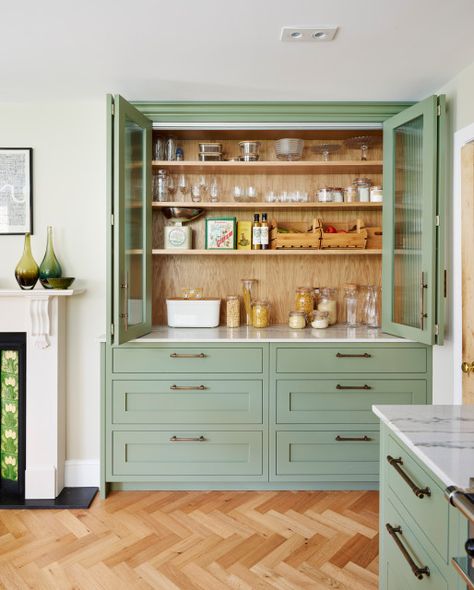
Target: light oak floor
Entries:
(196, 541)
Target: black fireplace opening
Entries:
(12, 414)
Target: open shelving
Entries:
(311, 205)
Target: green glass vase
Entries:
(27, 271)
(49, 267)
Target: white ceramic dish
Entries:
(193, 313)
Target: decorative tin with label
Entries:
(244, 235)
(178, 236)
(221, 233)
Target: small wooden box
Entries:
(295, 234)
(350, 235)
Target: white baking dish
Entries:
(193, 313)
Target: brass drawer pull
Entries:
(364, 438)
(188, 388)
(419, 492)
(175, 355)
(175, 438)
(364, 387)
(419, 572)
(365, 355)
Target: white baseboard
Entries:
(79, 473)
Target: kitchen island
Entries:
(423, 451)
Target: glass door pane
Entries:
(409, 253)
(133, 203)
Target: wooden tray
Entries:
(354, 235)
(298, 234)
(374, 237)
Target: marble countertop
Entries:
(442, 437)
(278, 333)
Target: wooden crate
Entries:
(297, 234)
(374, 238)
(353, 235)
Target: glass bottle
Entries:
(248, 286)
(27, 271)
(328, 302)
(49, 267)
(351, 301)
(373, 307)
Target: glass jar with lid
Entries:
(297, 320)
(351, 194)
(261, 314)
(233, 311)
(304, 300)
(337, 194)
(160, 186)
(320, 320)
(351, 301)
(324, 194)
(363, 188)
(328, 302)
(376, 194)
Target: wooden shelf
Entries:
(273, 167)
(292, 252)
(265, 205)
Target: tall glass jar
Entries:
(248, 286)
(373, 307)
(304, 300)
(261, 314)
(363, 188)
(233, 311)
(351, 301)
(160, 186)
(328, 302)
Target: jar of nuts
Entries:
(261, 314)
(233, 311)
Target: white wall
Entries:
(69, 175)
(447, 359)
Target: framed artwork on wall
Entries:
(16, 190)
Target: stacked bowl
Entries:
(289, 149)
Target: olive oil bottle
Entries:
(256, 233)
(265, 232)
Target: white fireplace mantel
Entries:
(41, 314)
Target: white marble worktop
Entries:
(442, 437)
(277, 333)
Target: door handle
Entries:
(419, 492)
(365, 355)
(418, 571)
(343, 387)
(364, 438)
(467, 368)
(175, 355)
(175, 438)
(188, 388)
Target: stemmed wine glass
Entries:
(184, 186)
(172, 186)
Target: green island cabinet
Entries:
(266, 412)
(420, 532)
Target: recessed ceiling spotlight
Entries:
(302, 34)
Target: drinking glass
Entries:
(214, 190)
(172, 186)
(196, 196)
(183, 186)
(203, 184)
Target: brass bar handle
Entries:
(419, 492)
(188, 388)
(418, 572)
(364, 438)
(343, 387)
(423, 286)
(365, 355)
(175, 355)
(175, 438)
(124, 314)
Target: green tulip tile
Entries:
(9, 466)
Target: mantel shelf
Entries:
(40, 293)
(292, 252)
(273, 167)
(264, 205)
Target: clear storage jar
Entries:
(376, 194)
(328, 302)
(351, 301)
(248, 286)
(351, 194)
(304, 300)
(324, 195)
(338, 195)
(297, 320)
(363, 188)
(320, 320)
(233, 311)
(261, 314)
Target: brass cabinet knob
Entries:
(467, 367)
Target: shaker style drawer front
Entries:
(408, 565)
(329, 453)
(350, 360)
(188, 360)
(335, 401)
(187, 402)
(183, 453)
(419, 495)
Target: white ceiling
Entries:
(218, 50)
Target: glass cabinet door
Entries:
(411, 223)
(132, 213)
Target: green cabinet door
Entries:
(413, 222)
(132, 221)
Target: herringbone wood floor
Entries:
(196, 541)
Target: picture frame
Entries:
(16, 190)
(221, 233)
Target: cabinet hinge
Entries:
(437, 221)
(439, 110)
(111, 219)
(111, 329)
(436, 330)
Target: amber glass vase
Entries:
(27, 271)
(49, 267)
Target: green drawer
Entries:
(342, 359)
(153, 453)
(320, 453)
(187, 402)
(421, 510)
(188, 360)
(336, 401)
(396, 572)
